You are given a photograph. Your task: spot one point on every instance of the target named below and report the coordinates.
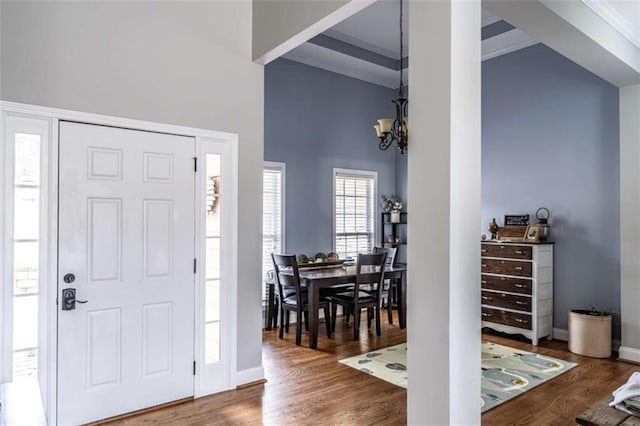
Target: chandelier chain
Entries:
(388, 130)
(401, 53)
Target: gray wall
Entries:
(550, 137)
(168, 62)
(316, 120)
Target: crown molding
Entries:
(619, 23)
(340, 63)
(362, 44)
(490, 20)
(504, 43)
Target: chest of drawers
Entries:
(517, 288)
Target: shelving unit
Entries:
(386, 225)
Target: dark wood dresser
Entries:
(517, 288)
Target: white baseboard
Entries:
(250, 375)
(562, 334)
(626, 353)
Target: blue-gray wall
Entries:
(316, 121)
(550, 137)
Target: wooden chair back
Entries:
(288, 280)
(370, 273)
(391, 254)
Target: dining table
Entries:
(315, 279)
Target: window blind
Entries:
(272, 215)
(354, 213)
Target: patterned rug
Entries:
(506, 372)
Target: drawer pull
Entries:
(484, 314)
(483, 281)
(483, 251)
(484, 266)
(520, 285)
(487, 298)
(503, 279)
(520, 302)
(521, 321)
(518, 251)
(518, 268)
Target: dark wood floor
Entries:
(310, 387)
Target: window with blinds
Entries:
(272, 214)
(354, 210)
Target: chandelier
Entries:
(396, 130)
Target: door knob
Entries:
(69, 299)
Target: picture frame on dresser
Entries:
(532, 234)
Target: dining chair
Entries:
(366, 293)
(293, 297)
(390, 285)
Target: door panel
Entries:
(126, 232)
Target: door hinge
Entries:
(195, 164)
(194, 368)
(195, 266)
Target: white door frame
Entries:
(49, 278)
(11, 122)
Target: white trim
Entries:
(6, 248)
(368, 173)
(561, 334)
(342, 63)
(106, 120)
(335, 17)
(362, 44)
(54, 115)
(361, 69)
(618, 22)
(626, 353)
(12, 124)
(217, 377)
(504, 43)
(44, 126)
(3, 239)
(492, 19)
(249, 376)
(52, 280)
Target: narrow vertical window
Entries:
(213, 256)
(354, 210)
(272, 213)
(26, 245)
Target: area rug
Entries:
(506, 372)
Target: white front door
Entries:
(126, 244)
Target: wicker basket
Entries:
(589, 333)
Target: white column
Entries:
(444, 213)
(630, 221)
